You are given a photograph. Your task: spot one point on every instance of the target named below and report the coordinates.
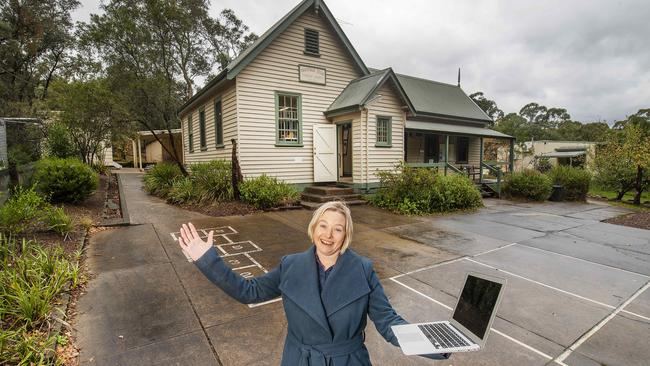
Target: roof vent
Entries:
(311, 42)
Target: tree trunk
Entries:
(173, 154)
(236, 171)
(638, 185)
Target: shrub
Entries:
(59, 142)
(417, 191)
(266, 192)
(160, 178)
(23, 209)
(182, 190)
(100, 168)
(65, 180)
(574, 180)
(543, 164)
(212, 180)
(528, 184)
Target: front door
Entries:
(431, 148)
(324, 153)
(345, 149)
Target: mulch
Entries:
(639, 220)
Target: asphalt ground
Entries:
(576, 292)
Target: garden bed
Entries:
(639, 220)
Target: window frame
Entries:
(305, 50)
(278, 142)
(190, 133)
(202, 136)
(389, 133)
(218, 123)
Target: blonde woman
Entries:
(327, 291)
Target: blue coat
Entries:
(320, 332)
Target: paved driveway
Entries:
(576, 291)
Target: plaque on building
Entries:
(311, 74)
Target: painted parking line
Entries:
(514, 340)
(601, 324)
(583, 260)
(451, 261)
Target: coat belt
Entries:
(321, 354)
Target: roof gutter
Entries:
(450, 118)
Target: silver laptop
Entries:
(469, 326)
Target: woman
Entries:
(327, 291)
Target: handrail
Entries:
(452, 167)
(499, 174)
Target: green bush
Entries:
(212, 180)
(527, 184)
(266, 192)
(543, 165)
(417, 191)
(574, 180)
(65, 180)
(59, 142)
(100, 168)
(22, 210)
(182, 190)
(160, 178)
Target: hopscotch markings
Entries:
(237, 254)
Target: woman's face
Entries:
(329, 233)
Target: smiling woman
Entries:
(328, 291)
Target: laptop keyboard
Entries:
(442, 335)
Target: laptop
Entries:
(469, 326)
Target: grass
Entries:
(595, 191)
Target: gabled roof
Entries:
(249, 54)
(434, 99)
(360, 91)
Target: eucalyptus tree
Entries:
(152, 52)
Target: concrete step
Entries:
(324, 198)
(329, 190)
(314, 205)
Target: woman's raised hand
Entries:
(191, 243)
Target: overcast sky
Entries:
(590, 57)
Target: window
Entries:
(190, 133)
(202, 129)
(311, 42)
(383, 131)
(462, 149)
(218, 124)
(288, 118)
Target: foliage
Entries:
(212, 180)
(23, 142)
(65, 180)
(91, 114)
(266, 192)
(417, 191)
(31, 280)
(34, 43)
(22, 210)
(160, 178)
(543, 164)
(574, 180)
(59, 141)
(488, 106)
(151, 52)
(182, 190)
(100, 168)
(58, 221)
(528, 184)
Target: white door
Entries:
(324, 153)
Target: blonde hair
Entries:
(336, 206)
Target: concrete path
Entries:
(574, 284)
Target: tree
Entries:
(34, 43)
(596, 131)
(637, 149)
(514, 125)
(488, 106)
(91, 114)
(152, 51)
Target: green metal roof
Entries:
(455, 129)
(432, 98)
(359, 91)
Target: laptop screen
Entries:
(476, 304)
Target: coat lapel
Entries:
(301, 286)
(345, 284)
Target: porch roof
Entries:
(455, 129)
(562, 154)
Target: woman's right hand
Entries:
(191, 242)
